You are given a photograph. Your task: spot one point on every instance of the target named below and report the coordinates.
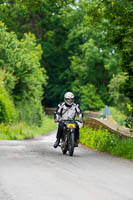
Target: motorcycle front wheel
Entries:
(71, 144)
(63, 146)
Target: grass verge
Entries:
(22, 131)
(104, 141)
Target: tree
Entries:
(43, 18)
(94, 59)
(120, 15)
(86, 41)
(116, 86)
(20, 59)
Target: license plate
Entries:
(71, 125)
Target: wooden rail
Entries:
(50, 110)
(109, 124)
(94, 120)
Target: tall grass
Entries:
(22, 130)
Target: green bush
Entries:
(31, 113)
(21, 60)
(23, 78)
(104, 141)
(116, 91)
(8, 113)
(88, 97)
(129, 120)
(97, 139)
(124, 148)
(118, 116)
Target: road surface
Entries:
(34, 170)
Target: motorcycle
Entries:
(68, 136)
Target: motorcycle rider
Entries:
(67, 111)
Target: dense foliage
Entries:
(86, 48)
(23, 77)
(8, 113)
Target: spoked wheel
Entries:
(71, 144)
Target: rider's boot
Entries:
(56, 144)
(76, 143)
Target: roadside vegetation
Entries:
(118, 116)
(104, 141)
(21, 87)
(22, 130)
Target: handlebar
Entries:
(69, 120)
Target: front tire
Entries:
(71, 144)
(63, 146)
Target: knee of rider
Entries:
(61, 125)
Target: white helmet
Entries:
(69, 98)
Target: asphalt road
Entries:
(34, 170)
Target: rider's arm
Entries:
(57, 114)
(79, 113)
